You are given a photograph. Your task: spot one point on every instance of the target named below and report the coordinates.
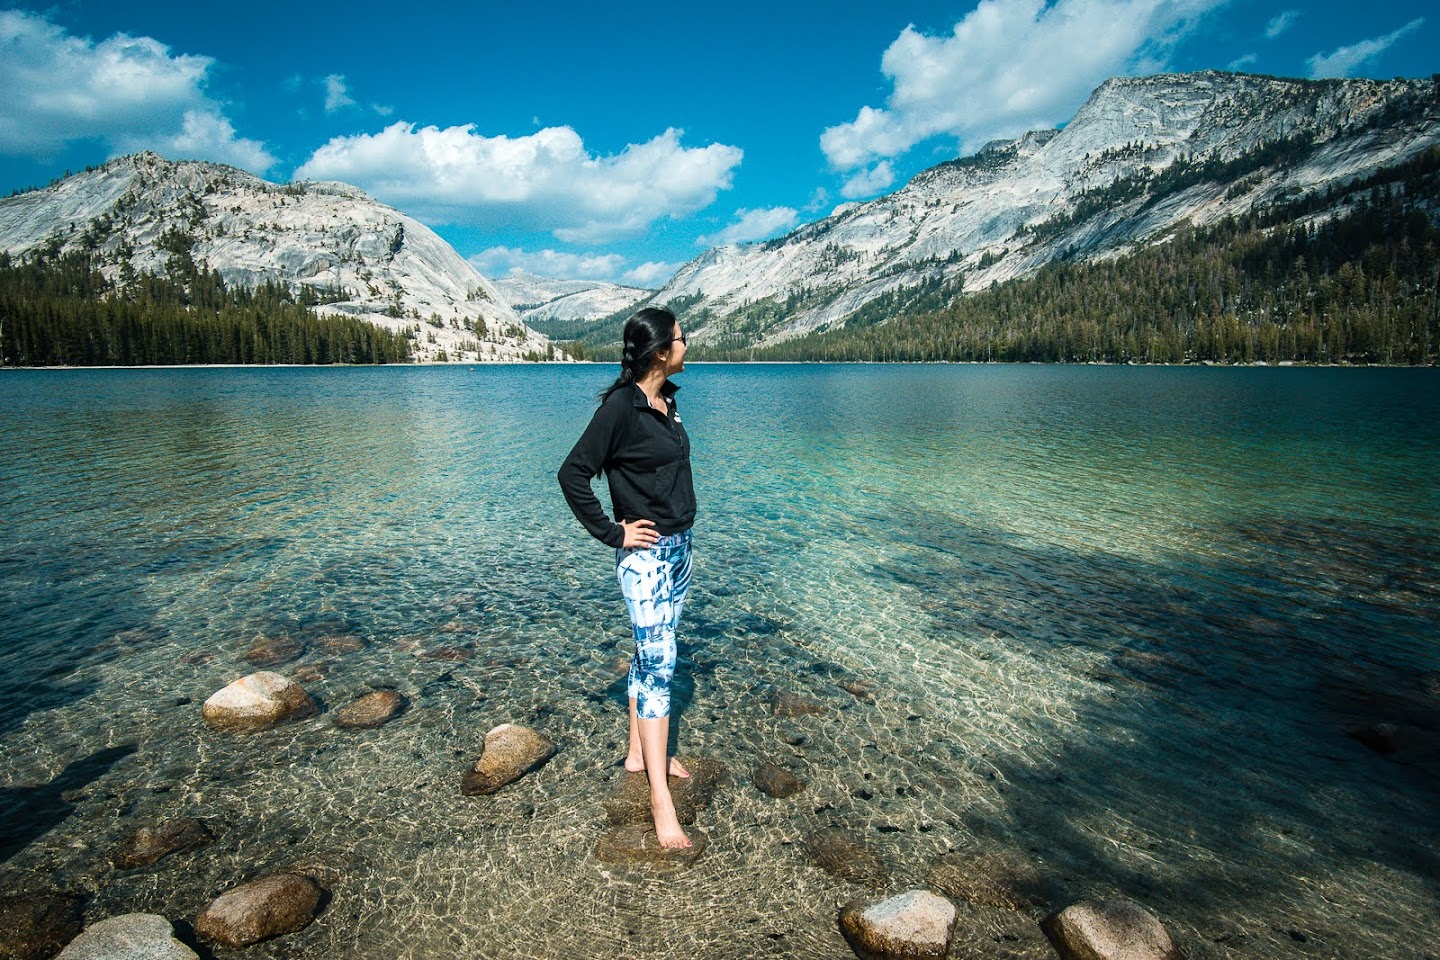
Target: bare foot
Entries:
(637, 765)
(667, 826)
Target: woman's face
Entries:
(675, 360)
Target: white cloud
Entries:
(544, 181)
(502, 261)
(650, 274)
(563, 265)
(1280, 23)
(381, 109)
(128, 93)
(752, 225)
(337, 97)
(211, 136)
(1346, 60)
(868, 182)
(1007, 67)
(1241, 63)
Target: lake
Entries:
(1166, 633)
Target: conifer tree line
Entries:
(1362, 286)
(57, 309)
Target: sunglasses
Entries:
(681, 338)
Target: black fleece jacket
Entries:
(645, 456)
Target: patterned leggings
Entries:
(654, 583)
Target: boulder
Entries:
(783, 703)
(1005, 880)
(35, 926)
(273, 651)
(149, 844)
(844, 855)
(259, 910)
(1115, 929)
(371, 710)
(630, 802)
(133, 936)
(776, 781)
(511, 751)
(257, 702)
(914, 925)
(635, 844)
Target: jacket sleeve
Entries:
(589, 456)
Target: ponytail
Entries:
(647, 332)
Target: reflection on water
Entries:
(1165, 632)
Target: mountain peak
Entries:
(1142, 155)
(327, 241)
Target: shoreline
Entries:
(1301, 364)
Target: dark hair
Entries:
(647, 332)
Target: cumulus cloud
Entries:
(1009, 66)
(752, 225)
(1280, 23)
(337, 97)
(502, 261)
(650, 274)
(869, 181)
(210, 136)
(545, 181)
(1346, 60)
(128, 93)
(563, 265)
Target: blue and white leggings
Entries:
(654, 583)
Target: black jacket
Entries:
(644, 454)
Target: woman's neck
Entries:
(650, 385)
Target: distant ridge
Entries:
(360, 258)
(543, 301)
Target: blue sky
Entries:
(576, 140)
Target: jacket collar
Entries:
(668, 389)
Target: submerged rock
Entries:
(636, 844)
(35, 926)
(630, 803)
(783, 703)
(862, 690)
(273, 651)
(1005, 880)
(259, 910)
(775, 780)
(149, 844)
(313, 672)
(915, 924)
(447, 654)
(371, 710)
(342, 643)
(257, 702)
(133, 936)
(511, 751)
(1116, 929)
(844, 855)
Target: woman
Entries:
(637, 440)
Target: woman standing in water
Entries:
(636, 439)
